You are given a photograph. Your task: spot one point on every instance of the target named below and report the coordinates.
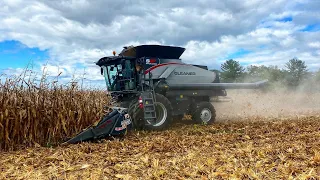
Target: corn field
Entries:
(270, 136)
(44, 114)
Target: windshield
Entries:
(120, 77)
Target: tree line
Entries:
(295, 74)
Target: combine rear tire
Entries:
(204, 113)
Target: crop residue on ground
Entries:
(258, 149)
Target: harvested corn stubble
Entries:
(260, 149)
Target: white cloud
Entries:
(81, 32)
(315, 44)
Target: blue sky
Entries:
(14, 54)
(71, 36)
(311, 28)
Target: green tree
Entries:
(256, 72)
(275, 74)
(296, 71)
(232, 71)
(272, 73)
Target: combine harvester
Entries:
(151, 86)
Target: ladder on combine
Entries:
(148, 99)
(150, 115)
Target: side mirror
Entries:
(101, 71)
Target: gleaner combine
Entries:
(151, 86)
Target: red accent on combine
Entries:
(153, 60)
(105, 124)
(140, 103)
(159, 65)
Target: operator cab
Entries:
(120, 76)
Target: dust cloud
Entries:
(247, 104)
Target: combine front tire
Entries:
(204, 113)
(163, 110)
(164, 113)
